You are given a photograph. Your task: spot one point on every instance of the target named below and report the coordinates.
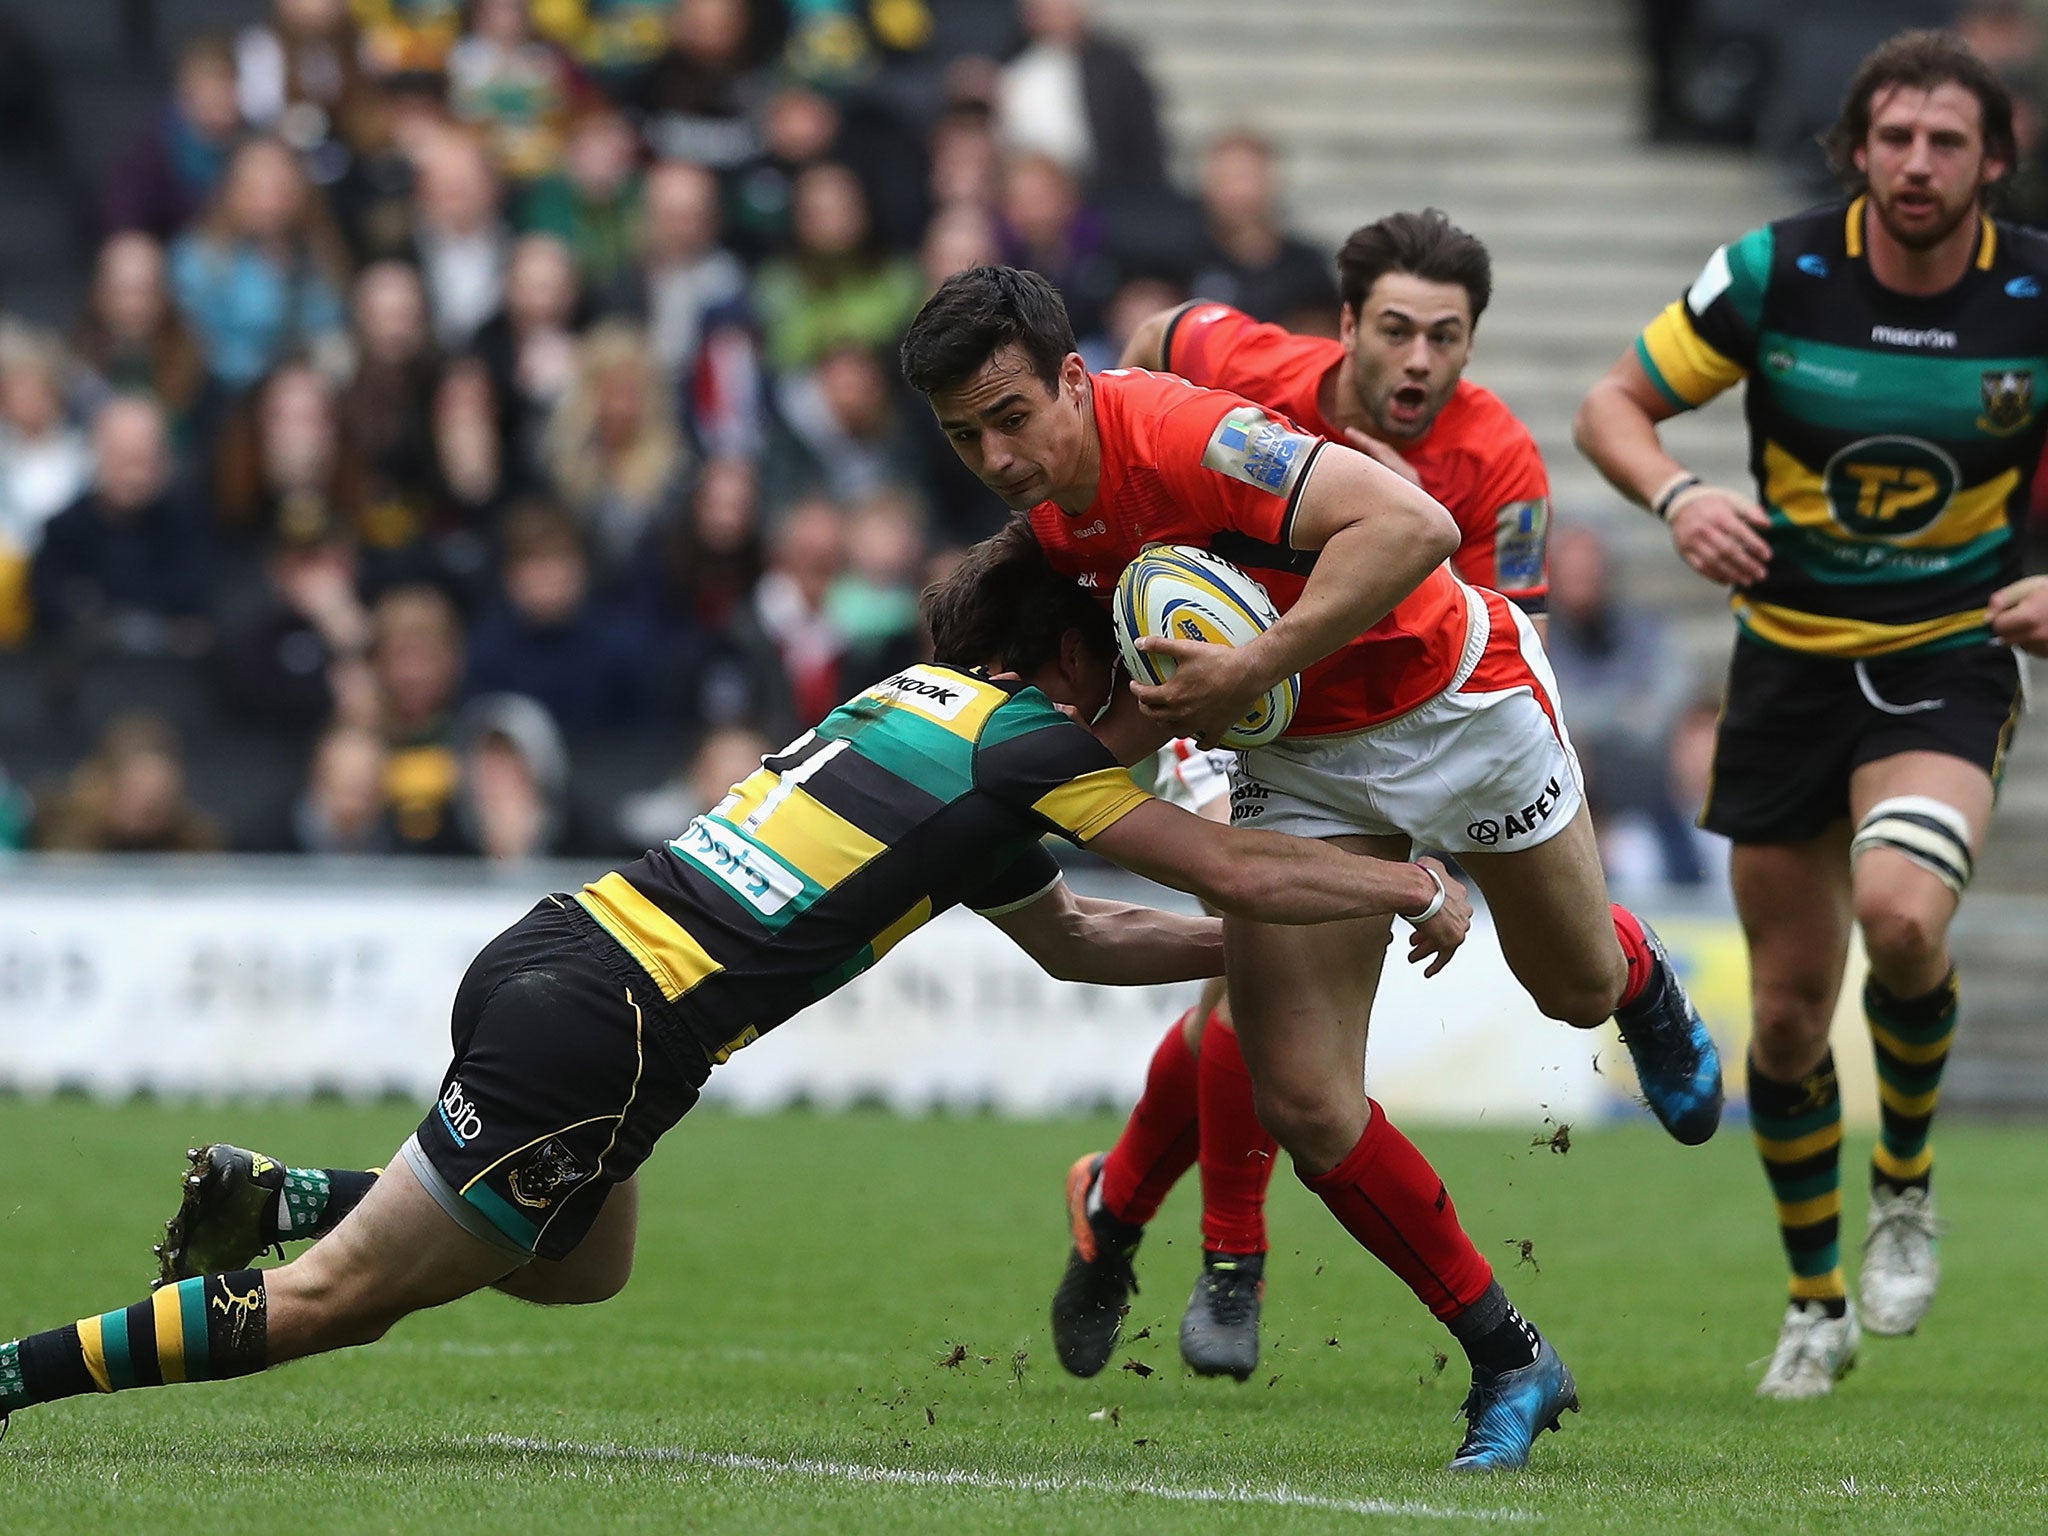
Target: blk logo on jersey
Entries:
(2008, 400)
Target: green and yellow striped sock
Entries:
(207, 1329)
(1911, 1036)
(1798, 1129)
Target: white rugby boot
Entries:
(1814, 1352)
(1901, 1260)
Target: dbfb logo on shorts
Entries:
(460, 1116)
(1488, 832)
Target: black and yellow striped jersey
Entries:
(1893, 437)
(932, 788)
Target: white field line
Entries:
(1280, 1495)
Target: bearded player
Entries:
(1413, 287)
(1889, 345)
(1427, 715)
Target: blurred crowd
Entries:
(481, 433)
(482, 427)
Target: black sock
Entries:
(1496, 1337)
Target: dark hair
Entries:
(974, 315)
(1920, 61)
(1425, 245)
(1005, 603)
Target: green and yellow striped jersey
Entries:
(932, 788)
(1893, 437)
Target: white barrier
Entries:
(232, 986)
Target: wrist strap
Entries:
(1436, 902)
(1673, 489)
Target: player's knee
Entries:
(1302, 1113)
(1899, 930)
(332, 1310)
(1789, 1017)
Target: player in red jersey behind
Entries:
(1427, 714)
(1413, 286)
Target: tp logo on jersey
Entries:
(1251, 446)
(2008, 400)
(1889, 487)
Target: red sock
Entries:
(1237, 1154)
(1160, 1140)
(1635, 948)
(1391, 1200)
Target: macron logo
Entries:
(1900, 336)
(928, 692)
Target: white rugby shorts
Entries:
(1192, 777)
(1485, 766)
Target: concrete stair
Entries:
(1519, 119)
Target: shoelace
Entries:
(1482, 1397)
(1231, 1294)
(1887, 1237)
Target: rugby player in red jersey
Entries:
(1427, 715)
(1413, 286)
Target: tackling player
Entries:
(1891, 347)
(584, 1032)
(1413, 286)
(1427, 713)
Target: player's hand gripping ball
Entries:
(1185, 593)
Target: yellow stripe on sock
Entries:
(95, 1352)
(1827, 1287)
(1804, 1213)
(1900, 1169)
(1907, 1103)
(169, 1309)
(1799, 1147)
(1912, 1055)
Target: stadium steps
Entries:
(1520, 120)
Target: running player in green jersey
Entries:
(1895, 350)
(584, 1031)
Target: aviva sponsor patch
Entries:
(1521, 533)
(1258, 449)
(1889, 487)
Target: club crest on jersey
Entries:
(2008, 400)
(547, 1173)
(1251, 446)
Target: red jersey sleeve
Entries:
(1223, 348)
(1229, 464)
(1512, 502)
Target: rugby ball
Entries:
(1185, 593)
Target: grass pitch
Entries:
(839, 1326)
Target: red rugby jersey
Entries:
(1184, 465)
(1476, 458)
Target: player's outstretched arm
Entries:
(1273, 878)
(1112, 943)
(1718, 532)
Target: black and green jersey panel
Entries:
(1893, 437)
(932, 788)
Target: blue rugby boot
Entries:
(1506, 1410)
(1675, 1059)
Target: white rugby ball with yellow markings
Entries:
(1184, 593)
